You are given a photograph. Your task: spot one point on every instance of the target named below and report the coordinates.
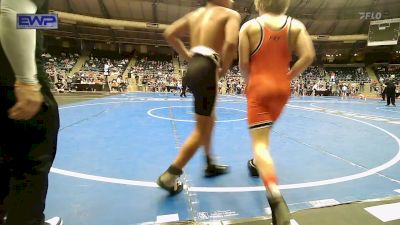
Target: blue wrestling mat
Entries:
(111, 151)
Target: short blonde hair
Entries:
(272, 6)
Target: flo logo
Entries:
(370, 15)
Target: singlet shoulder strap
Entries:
(262, 24)
(261, 37)
(289, 30)
(287, 18)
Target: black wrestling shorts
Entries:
(202, 81)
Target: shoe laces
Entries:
(176, 185)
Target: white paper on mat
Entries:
(167, 218)
(385, 213)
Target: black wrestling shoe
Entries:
(280, 211)
(3, 219)
(213, 170)
(252, 168)
(173, 190)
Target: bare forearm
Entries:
(227, 57)
(179, 47)
(300, 66)
(244, 70)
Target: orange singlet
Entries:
(268, 87)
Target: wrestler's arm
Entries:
(230, 44)
(304, 49)
(244, 50)
(175, 32)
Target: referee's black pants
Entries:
(391, 97)
(27, 151)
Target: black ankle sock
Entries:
(209, 160)
(174, 170)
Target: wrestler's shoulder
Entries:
(228, 12)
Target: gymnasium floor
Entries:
(327, 151)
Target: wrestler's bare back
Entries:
(207, 26)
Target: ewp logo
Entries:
(37, 21)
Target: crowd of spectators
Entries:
(155, 75)
(233, 81)
(91, 77)
(107, 66)
(343, 81)
(58, 65)
(386, 70)
(356, 74)
(158, 75)
(314, 73)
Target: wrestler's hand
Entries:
(246, 82)
(190, 56)
(290, 75)
(29, 99)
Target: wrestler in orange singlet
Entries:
(265, 48)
